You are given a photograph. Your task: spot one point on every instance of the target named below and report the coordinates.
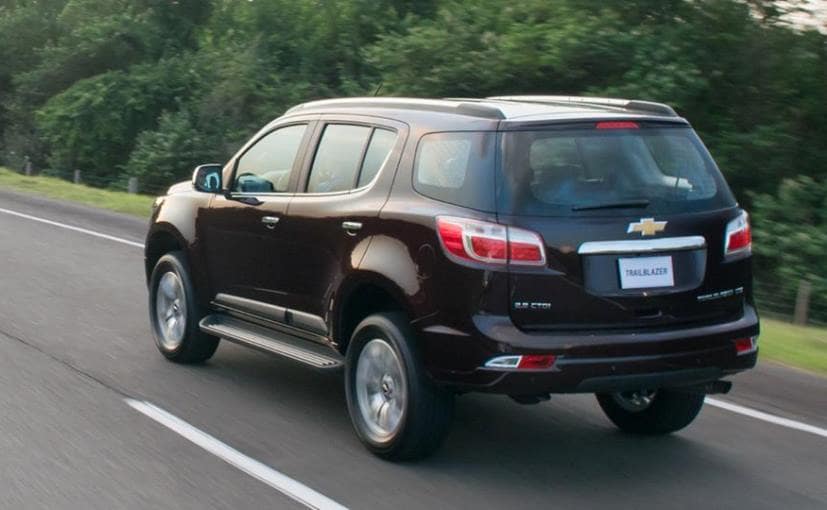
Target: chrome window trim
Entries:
(642, 245)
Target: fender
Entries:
(175, 216)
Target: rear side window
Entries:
(379, 148)
(562, 172)
(457, 168)
(349, 157)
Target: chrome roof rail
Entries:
(460, 107)
(626, 104)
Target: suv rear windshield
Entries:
(582, 170)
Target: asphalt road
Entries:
(75, 342)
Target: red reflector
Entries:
(536, 361)
(621, 124)
(744, 345)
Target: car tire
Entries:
(668, 411)
(398, 413)
(174, 312)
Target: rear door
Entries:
(334, 213)
(633, 217)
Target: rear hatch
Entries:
(633, 216)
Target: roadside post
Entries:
(802, 302)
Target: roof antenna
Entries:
(376, 92)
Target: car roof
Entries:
(509, 109)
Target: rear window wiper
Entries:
(623, 204)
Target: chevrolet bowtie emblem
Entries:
(646, 227)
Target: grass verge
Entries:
(797, 346)
(136, 205)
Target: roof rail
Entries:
(457, 107)
(627, 104)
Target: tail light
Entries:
(491, 243)
(746, 345)
(738, 237)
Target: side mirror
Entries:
(207, 178)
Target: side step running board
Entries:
(274, 342)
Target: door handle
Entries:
(351, 227)
(270, 221)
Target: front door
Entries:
(244, 238)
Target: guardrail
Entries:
(117, 183)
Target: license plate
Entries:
(646, 272)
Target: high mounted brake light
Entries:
(490, 243)
(738, 237)
(617, 124)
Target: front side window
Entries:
(266, 167)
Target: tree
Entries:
(791, 240)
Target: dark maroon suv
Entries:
(519, 245)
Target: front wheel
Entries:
(651, 411)
(397, 412)
(174, 313)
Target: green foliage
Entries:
(93, 125)
(791, 239)
(169, 153)
(487, 48)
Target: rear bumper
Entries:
(590, 363)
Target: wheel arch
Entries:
(362, 294)
(162, 238)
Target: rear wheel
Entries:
(174, 313)
(397, 412)
(651, 411)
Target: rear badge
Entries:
(531, 305)
(646, 227)
(720, 294)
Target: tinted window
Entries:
(378, 151)
(337, 159)
(457, 168)
(569, 171)
(267, 165)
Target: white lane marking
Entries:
(770, 418)
(72, 227)
(282, 483)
